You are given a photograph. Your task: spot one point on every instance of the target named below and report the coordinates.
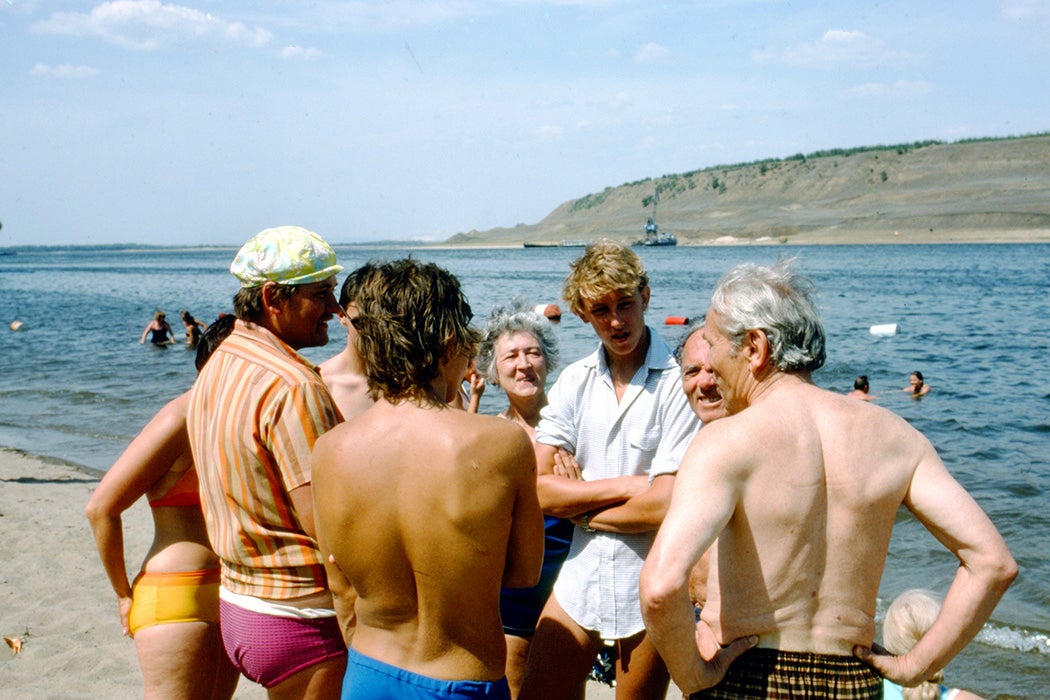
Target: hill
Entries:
(993, 190)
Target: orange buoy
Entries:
(676, 321)
(551, 311)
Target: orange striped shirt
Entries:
(254, 414)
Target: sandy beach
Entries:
(54, 594)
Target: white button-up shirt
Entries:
(645, 433)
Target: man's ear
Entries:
(271, 301)
(645, 298)
(755, 348)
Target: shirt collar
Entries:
(659, 356)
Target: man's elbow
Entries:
(1005, 571)
(658, 593)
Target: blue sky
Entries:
(195, 122)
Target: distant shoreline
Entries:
(838, 238)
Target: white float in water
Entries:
(884, 329)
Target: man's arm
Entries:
(986, 570)
(567, 498)
(641, 513)
(704, 499)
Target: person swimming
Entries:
(159, 331)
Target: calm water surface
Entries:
(76, 385)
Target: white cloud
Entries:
(550, 132)
(652, 53)
(63, 71)
(901, 88)
(149, 24)
(837, 47)
(299, 52)
(1026, 9)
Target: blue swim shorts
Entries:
(369, 679)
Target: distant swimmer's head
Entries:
(288, 255)
(413, 326)
(861, 383)
(778, 301)
(159, 316)
(605, 268)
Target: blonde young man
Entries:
(800, 487)
(254, 414)
(425, 509)
(622, 412)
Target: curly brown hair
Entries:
(412, 315)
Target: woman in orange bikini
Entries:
(172, 608)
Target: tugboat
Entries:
(653, 235)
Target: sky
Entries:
(203, 122)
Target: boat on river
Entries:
(653, 235)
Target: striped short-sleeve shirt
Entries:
(644, 433)
(254, 414)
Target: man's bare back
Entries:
(828, 472)
(430, 498)
(800, 487)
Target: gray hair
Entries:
(778, 301)
(519, 316)
(694, 327)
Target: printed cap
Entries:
(287, 255)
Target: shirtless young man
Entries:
(426, 510)
(622, 413)
(800, 486)
(344, 373)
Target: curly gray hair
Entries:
(518, 316)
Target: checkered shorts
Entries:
(792, 675)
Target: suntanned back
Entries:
(822, 480)
(429, 498)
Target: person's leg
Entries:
(517, 657)
(640, 672)
(560, 655)
(226, 675)
(178, 659)
(323, 681)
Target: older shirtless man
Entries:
(425, 509)
(801, 490)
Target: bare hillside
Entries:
(995, 190)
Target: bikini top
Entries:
(184, 492)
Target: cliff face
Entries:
(982, 190)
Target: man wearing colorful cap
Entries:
(254, 415)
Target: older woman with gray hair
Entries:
(517, 351)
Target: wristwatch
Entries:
(585, 521)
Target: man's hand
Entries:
(565, 464)
(716, 659)
(893, 667)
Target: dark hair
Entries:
(352, 283)
(187, 317)
(861, 383)
(248, 301)
(212, 338)
(412, 315)
(694, 327)
(918, 375)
